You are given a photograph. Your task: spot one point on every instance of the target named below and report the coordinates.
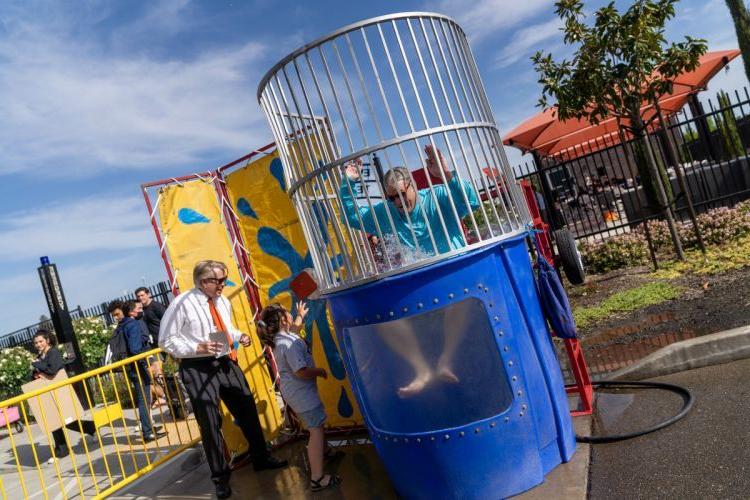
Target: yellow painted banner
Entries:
(278, 252)
(194, 230)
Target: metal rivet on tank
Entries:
(435, 300)
(447, 437)
(507, 419)
(497, 318)
(420, 306)
(476, 431)
(520, 393)
(377, 316)
(419, 440)
(523, 407)
(510, 363)
(450, 295)
(406, 440)
(480, 286)
(520, 414)
(501, 333)
(486, 289)
(492, 424)
(432, 438)
(514, 378)
(461, 434)
(405, 309)
(491, 304)
(466, 290)
(506, 348)
(390, 313)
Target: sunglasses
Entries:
(401, 194)
(217, 281)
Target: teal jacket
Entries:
(425, 212)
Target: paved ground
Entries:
(363, 474)
(705, 455)
(115, 453)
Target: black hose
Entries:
(687, 398)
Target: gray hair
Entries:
(205, 269)
(394, 175)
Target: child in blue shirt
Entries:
(298, 375)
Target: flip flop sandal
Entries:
(325, 481)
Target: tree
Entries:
(741, 18)
(622, 61)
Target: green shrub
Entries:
(718, 226)
(93, 336)
(15, 370)
(624, 250)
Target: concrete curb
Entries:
(167, 473)
(714, 349)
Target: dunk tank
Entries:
(418, 235)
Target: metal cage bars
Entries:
(388, 87)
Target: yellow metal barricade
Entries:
(104, 448)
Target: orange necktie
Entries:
(219, 324)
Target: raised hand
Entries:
(302, 310)
(436, 163)
(351, 169)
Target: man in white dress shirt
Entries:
(197, 329)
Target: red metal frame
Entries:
(577, 361)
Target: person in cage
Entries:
(415, 213)
(299, 388)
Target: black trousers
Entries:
(87, 426)
(207, 380)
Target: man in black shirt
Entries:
(152, 313)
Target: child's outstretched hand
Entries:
(302, 310)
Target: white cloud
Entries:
(481, 18)
(90, 224)
(526, 41)
(70, 108)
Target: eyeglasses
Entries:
(217, 281)
(399, 195)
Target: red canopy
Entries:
(547, 135)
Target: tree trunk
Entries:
(672, 150)
(741, 19)
(641, 138)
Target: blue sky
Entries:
(98, 97)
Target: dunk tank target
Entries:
(417, 233)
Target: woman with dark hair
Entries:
(48, 362)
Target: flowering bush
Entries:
(15, 370)
(93, 336)
(718, 226)
(623, 250)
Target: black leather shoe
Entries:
(269, 463)
(154, 436)
(223, 490)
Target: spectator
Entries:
(153, 311)
(138, 372)
(48, 363)
(154, 364)
(197, 328)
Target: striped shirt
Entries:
(187, 321)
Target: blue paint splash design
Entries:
(190, 216)
(277, 170)
(274, 244)
(244, 207)
(345, 406)
(230, 283)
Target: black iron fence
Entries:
(160, 292)
(595, 190)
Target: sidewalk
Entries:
(668, 452)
